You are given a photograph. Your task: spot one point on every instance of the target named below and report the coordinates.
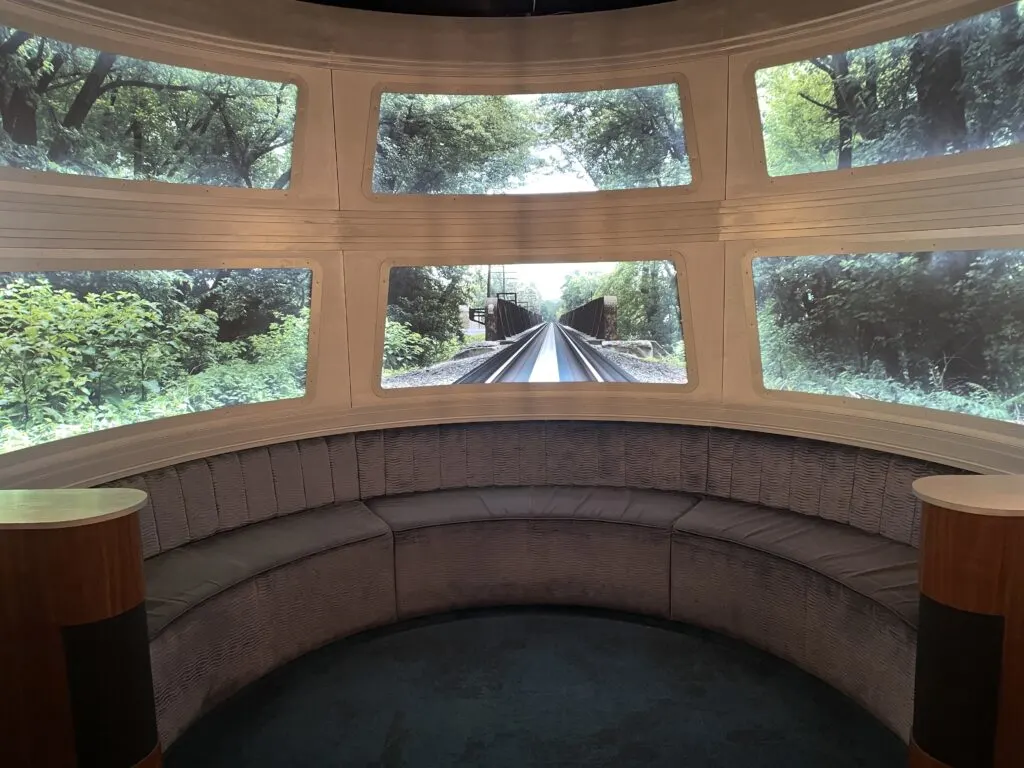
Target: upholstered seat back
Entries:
(866, 489)
(194, 500)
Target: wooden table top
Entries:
(66, 508)
(992, 495)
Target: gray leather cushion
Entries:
(184, 577)
(878, 568)
(652, 509)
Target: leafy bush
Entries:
(77, 359)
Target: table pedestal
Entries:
(969, 693)
(74, 651)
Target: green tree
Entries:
(623, 139)
(73, 109)
(578, 288)
(648, 301)
(938, 92)
(39, 335)
(427, 301)
(926, 322)
(434, 144)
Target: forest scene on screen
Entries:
(940, 92)
(942, 329)
(503, 323)
(84, 351)
(71, 109)
(430, 144)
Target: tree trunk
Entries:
(20, 113)
(283, 180)
(936, 60)
(138, 150)
(844, 115)
(1011, 39)
(19, 118)
(86, 99)
(14, 42)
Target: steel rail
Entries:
(575, 360)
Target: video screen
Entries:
(614, 321)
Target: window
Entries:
(940, 92)
(71, 109)
(84, 351)
(429, 144)
(536, 323)
(942, 329)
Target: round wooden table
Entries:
(77, 690)
(969, 692)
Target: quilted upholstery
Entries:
(873, 566)
(651, 509)
(855, 644)
(240, 634)
(181, 579)
(855, 486)
(191, 501)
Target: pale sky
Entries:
(549, 277)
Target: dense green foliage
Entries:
(623, 139)
(647, 295)
(938, 92)
(938, 329)
(89, 350)
(72, 109)
(617, 139)
(942, 330)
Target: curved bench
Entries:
(803, 548)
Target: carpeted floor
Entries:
(538, 688)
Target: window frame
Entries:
(136, 261)
(743, 270)
(464, 86)
(748, 167)
(314, 174)
(500, 391)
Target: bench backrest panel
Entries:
(866, 489)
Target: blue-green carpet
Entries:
(535, 687)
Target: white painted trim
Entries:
(309, 35)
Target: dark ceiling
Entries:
(486, 7)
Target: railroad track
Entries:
(548, 352)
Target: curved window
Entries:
(432, 144)
(940, 92)
(84, 351)
(71, 109)
(533, 323)
(938, 329)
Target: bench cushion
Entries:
(184, 577)
(650, 509)
(878, 568)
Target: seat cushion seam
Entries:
(268, 569)
(519, 519)
(802, 564)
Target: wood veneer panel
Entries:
(973, 561)
(960, 559)
(1010, 733)
(52, 578)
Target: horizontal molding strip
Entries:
(86, 15)
(101, 457)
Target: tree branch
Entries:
(143, 84)
(830, 109)
(823, 67)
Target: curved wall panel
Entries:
(711, 230)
